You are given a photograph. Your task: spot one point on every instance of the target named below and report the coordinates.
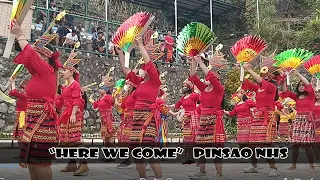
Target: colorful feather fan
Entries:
(6, 98)
(292, 59)
(15, 73)
(247, 49)
(136, 25)
(20, 9)
(194, 39)
(313, 67)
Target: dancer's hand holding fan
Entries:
(246, 50)
(313, 67)
(291, 59)
(194, 39)
(125, 36)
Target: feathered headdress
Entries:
(247, 49)
(313, 67)
(194, 39)
(134, 26)
(292, 59)
(71, 61)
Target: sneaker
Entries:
(188, 162)
(83, 169)
(274, 173)
(147, 167)
(124, 165)
(251, 169)
(71, 167)
(199, 175)
(317, 164)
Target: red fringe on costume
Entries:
(108, 126)
(303, 129)
(125, 128)
(190, 126)
(263, 127)
(40, 133)
(17, 131)
(284, 131)
(317, 130)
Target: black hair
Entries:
(244, 98)
(100, 32)
(99, 28)
(304, 93)
(222, 102)
(277, 92)
(85, 98)
(59, 89)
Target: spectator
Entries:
(169, 41)
(62, 32)
(95, 34)
(71, 39)
(53, 9)
(99, 43)
(79, 30)
(70, 19)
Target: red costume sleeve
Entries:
(32, 61)
(179, 103)
(95, 104)
(196, 81)
(152, 71)
(289, 94)
(233, 112)
(58, 101)
(309, 88)
(134, 78)
(247, 85)
(15, 93)
(76, 94)
(108, 99)
(214, 81)
(278, 105)
(250, 103)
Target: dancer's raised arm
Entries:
(256, 76)
(125, 70)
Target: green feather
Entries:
(120, 83)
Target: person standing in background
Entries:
(169, 41)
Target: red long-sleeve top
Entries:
(128, 103)
(265, 93)
(188, 104)
(104, 104)
(43, 84)
(316, 111)
(303, 105)
(146, 92)
(210, 99)
(72, 96)
(242, 110)
(21, 103)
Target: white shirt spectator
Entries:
(72, 38)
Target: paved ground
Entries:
(173, 171)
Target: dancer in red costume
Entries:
(40, 132)
(71, 117)
(211, 129)
(143, 131)
(316, 112)
(190, 120)
(244, 117)
(21, 106)
(263, 126)
(302, 127)
(127, 106)
(104, 105)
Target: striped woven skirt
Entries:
(190, 125)
(125, 127)
(303, 129)
(263, 127)
(243, 129)
(143, 130)
(17, 131)
(108, 126)
(207, 133)
(317, 130)
(40, 135)
(70, 135)
(284, 131)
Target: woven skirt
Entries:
(125, 127)
(17, 131)
(263, 131)
(40, 135)
(108, 126)
(143, 119)
(243, 129)
(206, 133)
(189, 130)
(317, 130)
(284, 131)
(70, 135)
(303, 129)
